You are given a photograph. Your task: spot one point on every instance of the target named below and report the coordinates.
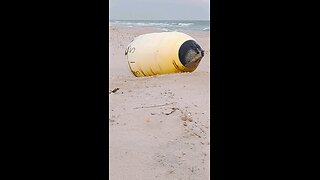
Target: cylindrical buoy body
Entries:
(163, 53)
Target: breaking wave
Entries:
(165, 25)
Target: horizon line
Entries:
(159, 19)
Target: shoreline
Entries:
(152, 27)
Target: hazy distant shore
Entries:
(166, 142)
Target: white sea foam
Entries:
(185, 24)
(164, 29)
(166, 25)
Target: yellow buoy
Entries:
(163, 53)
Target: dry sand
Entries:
(158, 126)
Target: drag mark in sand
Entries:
(153, 106)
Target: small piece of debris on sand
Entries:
(114, 90)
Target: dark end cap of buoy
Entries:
(190, 54)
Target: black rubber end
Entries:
(189, 52)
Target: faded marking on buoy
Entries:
(132, 70)
(136, 73)
(130, 50)
(159, 67)
(152, 71)
(175, 65)
(142, 72)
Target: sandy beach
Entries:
(158, 126)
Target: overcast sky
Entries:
(159, 9)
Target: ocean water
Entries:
(165, 25)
